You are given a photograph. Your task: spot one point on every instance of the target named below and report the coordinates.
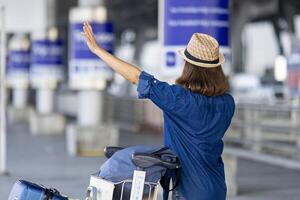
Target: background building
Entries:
(64, 106)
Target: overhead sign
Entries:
(180, 19)
(86, 70)
(19, 60)
(18, 68)
(46, 63)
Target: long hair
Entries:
(206, 81)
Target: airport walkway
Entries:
(43, 159)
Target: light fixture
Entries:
(280, 68)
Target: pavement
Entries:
(43, 159)
(259, 181)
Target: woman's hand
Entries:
(89, 37)
(123, 68)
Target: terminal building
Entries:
(61, 105)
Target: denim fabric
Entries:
(177, 195)
(194, 126)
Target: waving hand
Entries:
(125, 69)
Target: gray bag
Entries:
(121, 165)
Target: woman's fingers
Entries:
(85, 28)
(88, 26)
(88, 29)
(89, 37)
(87, 34)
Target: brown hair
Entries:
(206, 81)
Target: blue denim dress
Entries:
(194, 126)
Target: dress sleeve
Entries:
(165, 96)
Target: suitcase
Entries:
(25, 190)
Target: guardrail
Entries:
(258, 129)
(267, 133)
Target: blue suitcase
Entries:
(25, 190)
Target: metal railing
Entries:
(266, 130)
(268, 133)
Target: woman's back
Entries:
(195, 133)
(194, 125)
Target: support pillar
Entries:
(46, 72)
(89, 136)
(44, 101)
(44, 119)
(17, 78)
(90, 107)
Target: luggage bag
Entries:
(133, 173)
(25, 190)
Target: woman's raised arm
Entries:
(128, 71)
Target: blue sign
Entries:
(18, 60)
(46, 63)
(183, 18)
(171, 59)
(47, 53)
(86, 69)
(103, 34)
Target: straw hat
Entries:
(203, 50)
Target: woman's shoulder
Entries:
(201, 99)
(228, 97)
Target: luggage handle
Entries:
(144, 160)
(110, 151)
(49, 193)
(89, 193)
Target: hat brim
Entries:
(199, 64)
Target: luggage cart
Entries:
(135, 189)
(101, 189)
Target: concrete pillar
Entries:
(17, 77)
(46, 73)
(45, 101)
(239, 17)
(19, 98)
(89, 75)
(230, 164)
(89, 108)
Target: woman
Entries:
(197, 112)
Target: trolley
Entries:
(135, 189)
